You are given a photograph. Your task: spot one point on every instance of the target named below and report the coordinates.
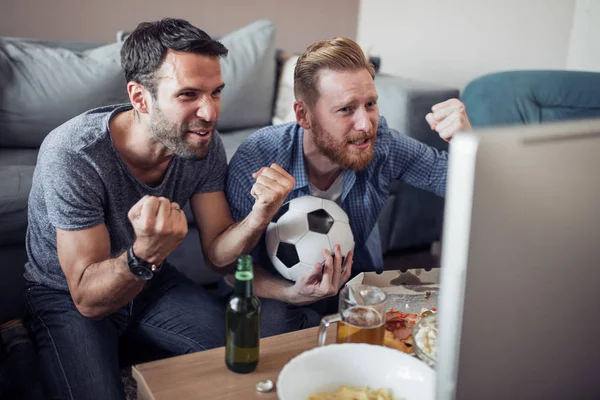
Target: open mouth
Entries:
(361, 144)
(201, 133)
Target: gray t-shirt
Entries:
(81, 181)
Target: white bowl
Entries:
(329, 367)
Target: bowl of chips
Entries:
(353, 369)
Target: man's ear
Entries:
(138, 96)
(302, 116)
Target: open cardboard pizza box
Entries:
(397, 282)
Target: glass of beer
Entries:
(361, 316)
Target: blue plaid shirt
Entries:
(364, 194)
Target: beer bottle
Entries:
(242, 321)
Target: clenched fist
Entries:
(159, 227)
(448, 117)
(273, 185)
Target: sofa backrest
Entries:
(45, 83)
(43, 86)
(532, 97)
(57, 44)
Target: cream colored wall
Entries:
(584, 48)
(452, 42)
(442, 41)
(298, 23)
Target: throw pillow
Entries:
(42, 86)
(284, 104)
(249, 75)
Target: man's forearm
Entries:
(105, 287)
(269, 286)
(239, 238)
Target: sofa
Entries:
(45, 83)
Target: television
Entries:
(519, 302)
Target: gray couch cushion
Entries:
(15, 184)
(63, 44)
(232, 139)
(18, 156)
(249, 76)
(405, 102)
(41, 87)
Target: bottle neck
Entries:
(243, 287)
(244, 276)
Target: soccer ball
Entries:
(301, 230)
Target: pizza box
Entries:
(415, 281)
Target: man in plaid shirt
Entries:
(340, 149)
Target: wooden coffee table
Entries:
(204, 375)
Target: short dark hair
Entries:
(144, 49)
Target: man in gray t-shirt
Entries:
(82, 181)
(105, 212)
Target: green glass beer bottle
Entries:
(242, 321)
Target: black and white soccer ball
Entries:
(301, 229)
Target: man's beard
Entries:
(337, 151)
(173, 137)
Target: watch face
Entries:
(141, 272)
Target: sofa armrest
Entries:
(405, 102)
(411, 217)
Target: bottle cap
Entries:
(264, 386)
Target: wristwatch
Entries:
(140, 268)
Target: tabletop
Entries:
(204, 374)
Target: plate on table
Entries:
(414, 300)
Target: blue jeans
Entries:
(80, 357)
(277, 317)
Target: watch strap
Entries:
(133, 260)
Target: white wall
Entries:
(584, 48)
(453, 41)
